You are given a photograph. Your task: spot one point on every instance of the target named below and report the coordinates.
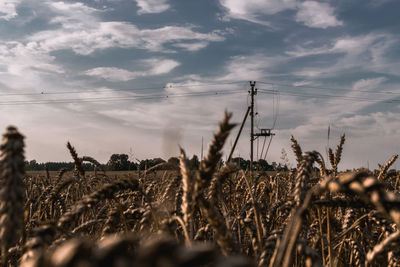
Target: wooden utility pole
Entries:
(237, 137)
(252, 92)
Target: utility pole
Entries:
(237, 137)
(252, 92)
(253, 136)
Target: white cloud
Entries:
(255, 10)
(377, 124)
(19, 59)
(82, 31)
(152, 6)
(196, 116)
(251, 67)
(301, 51)
(311, 13)
(317, 15)
(72, 8)
(85, 40)
(356, 44)
(8, 9)
(348, 45)
(155, 67)
(352, 53)
(73, 15)
(369, 84)
(243, 9)
(160, 66)
(192, 46)
(302, 83)
(111, 73)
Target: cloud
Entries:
(78, 27)
(8, 9)
(250, 8)
(311, 13)
(346, 44)
(22, 60)
(369, 84)
(111, 73)
(119, 34)
(159, 67)
(192, 46)
(368, 52)
(73, 15)
(72, 8)
(255, 10)
(188, 111)
(251, 67)
(317, 15)
(152, 6)
(375, 123)
(193, 116)
(156, 67)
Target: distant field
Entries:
(126, 173)
(91, 173)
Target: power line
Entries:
(269, 145)
(275, 111)
(275, 114)
(194, 94)
(110, 99)
(116, 90)
(330, 88)
(348, 98)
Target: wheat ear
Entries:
(297, 150)
(77, 160)
(187, 197)
(386, 167)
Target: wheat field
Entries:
(211, 216)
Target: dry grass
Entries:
(214, 216)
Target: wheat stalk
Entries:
(187, 197)
(106, 192)
(78, 161)
(386, 167)
(12, 195)
(297, 150)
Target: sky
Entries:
(143, 77)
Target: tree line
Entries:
(122, 162)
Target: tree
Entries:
(118, 162)
(31, 165)
(241, 162)
(274, 165)
(148, 163)
(194, 162)
(173, 161)
(263, 165)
